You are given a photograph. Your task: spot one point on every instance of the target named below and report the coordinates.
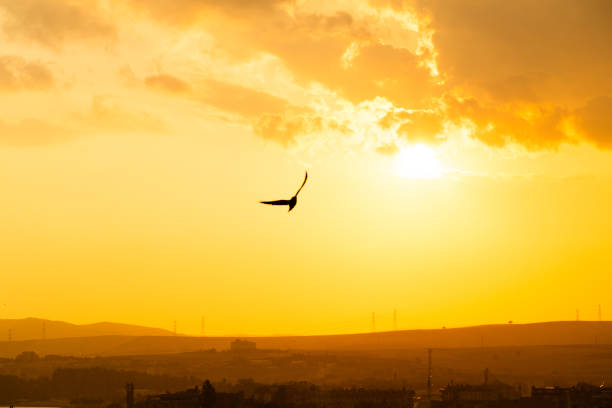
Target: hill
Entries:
(507, 335)
(36, 329)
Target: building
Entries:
(504, 396)
(478, 396)
(242, 345)
(579, 396)
(291, 395)
(483, 392)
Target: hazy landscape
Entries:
(558, 353)
(109, 339)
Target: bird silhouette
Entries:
(292, 201)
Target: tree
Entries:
(208, 396)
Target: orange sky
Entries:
(458, 154)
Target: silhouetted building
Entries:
(129, 395)
(483, 392)
(206, 397)
(579, 396)
(503, 396)
(306, 395)
(242, 345)
(292, 395)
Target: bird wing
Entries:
(300, 189)
(277, 202)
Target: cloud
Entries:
(237, 99)
(523, 72)
(34, 132)
(167, 83)
(231, 98)
(346, 58)
(533, 126)
(190, 11)
(52, 23)
(107, 115)
(359, 55)
(104, 116)
(388, 149)
(415, 126)
(285, 127)
(16, 74)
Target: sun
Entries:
(418, 162)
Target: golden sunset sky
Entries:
(459, 159)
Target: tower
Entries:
(599, 312)
(394, 319)
(175, 327)
(373, 322)
(129, 395)
(202, 326)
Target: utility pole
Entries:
(373, 322)
(429, 376)
(175, 327)
(394, 319)
(202, 327)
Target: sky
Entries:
(459, 159)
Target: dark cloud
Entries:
(519, 70)
(16, 73)
(594, 121)
(55, 22)
(542, 51)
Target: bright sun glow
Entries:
(418, 161)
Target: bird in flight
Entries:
(291, 202)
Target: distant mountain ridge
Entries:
(136, 340)
(36, 329)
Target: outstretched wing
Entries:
(300, 189)
(277, 202)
